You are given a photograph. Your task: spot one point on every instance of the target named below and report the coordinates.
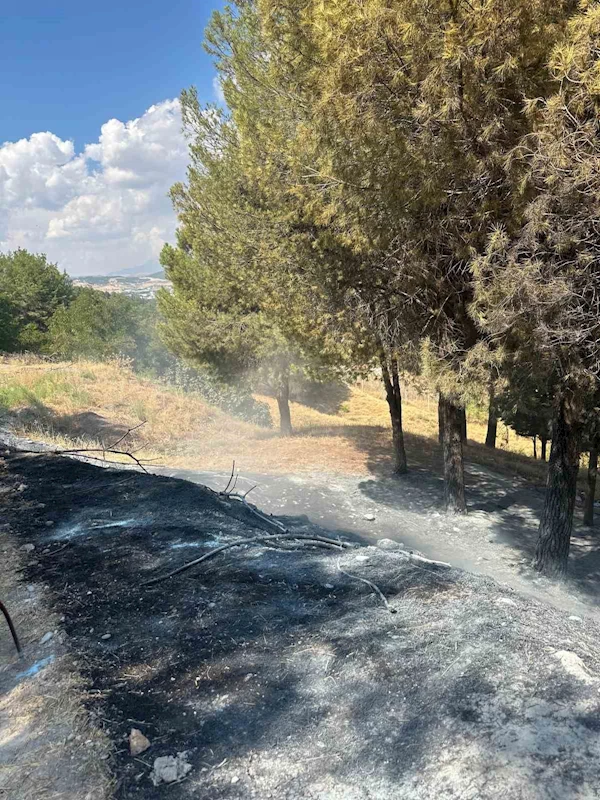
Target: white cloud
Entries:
(103, 209)
(218, 89)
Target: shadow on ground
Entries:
(86, 426)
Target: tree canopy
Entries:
(31, 290)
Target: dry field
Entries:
(88, 402)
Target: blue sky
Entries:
(90, 137)
(67, 66)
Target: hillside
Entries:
(94, 402)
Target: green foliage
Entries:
(95, 325)
(47, 388)
(402, 117)
(240, 304)
(234, 399)
(31, 291)
(539, 289)
(9, 328)
(99, 325)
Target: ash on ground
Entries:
(280, 676)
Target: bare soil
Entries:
(279, 676)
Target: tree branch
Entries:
(249, 541)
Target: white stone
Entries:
(389, 544)
(169, 769)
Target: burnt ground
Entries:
(278, 675)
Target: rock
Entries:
(138, 743)
(27, 548)
(234, 779)
(49, 522)
(31, 588)
(575, 618)
(574, 666)
(46, 637)
(106, 636)
(328, 586)
(389, 544)
(21, 487)
(506, 601)
(369, 517)
(168, 769)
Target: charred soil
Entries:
(280, 676)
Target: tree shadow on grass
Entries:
(273, 671)
(328, 398)
(85, 426)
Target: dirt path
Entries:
(496, 539)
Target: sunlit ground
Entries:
(88, 403)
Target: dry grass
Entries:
(49, 750)
(91, 402)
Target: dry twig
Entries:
(11, 626)
(109, 449)
(372, 585)
(249, 541)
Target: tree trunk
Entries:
(452, 447)
(440, 420)
(544, 441)
(492, 425)
(534, 448)
(283, 402)
(463, 424)
(590, 496)
(394, 400)
(554, 540)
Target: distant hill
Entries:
(147, 269)
(159, 274)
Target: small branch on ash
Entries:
(229, 493)
(372, 585)
(11, 626)
(303, 537)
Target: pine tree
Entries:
(541, 288)
(406, 111)
(236, 305)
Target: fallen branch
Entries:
(229, 494)
(373, 586)
(422, 560)
(334, 543)
(111, 449)
(11, 626)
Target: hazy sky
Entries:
(90, 137)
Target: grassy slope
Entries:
(91, 402)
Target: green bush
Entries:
(235, 400)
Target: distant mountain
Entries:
(159, 274)
(147, 269)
